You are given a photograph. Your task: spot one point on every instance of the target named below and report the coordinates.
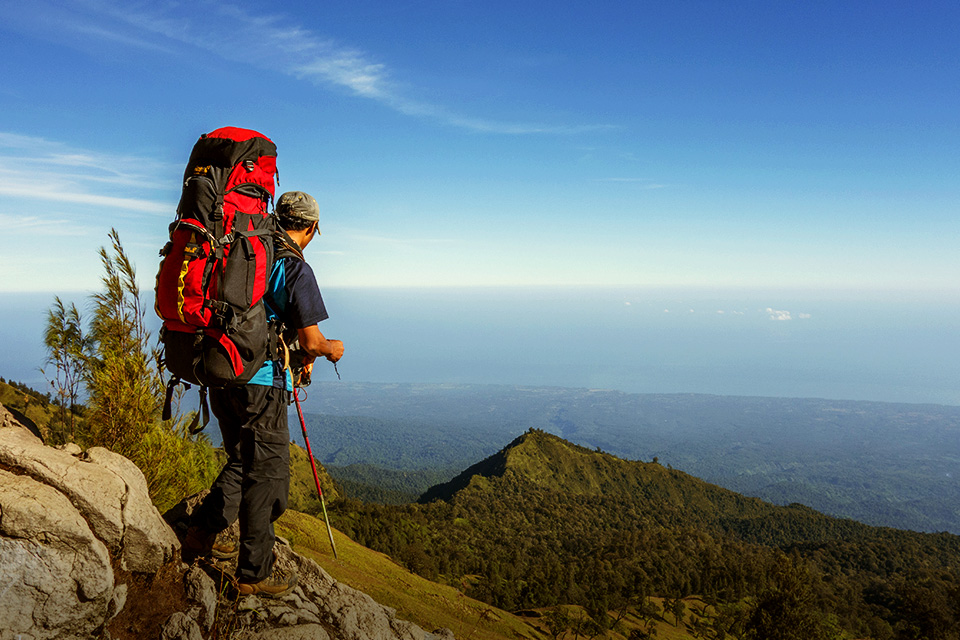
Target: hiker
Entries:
(253, 484)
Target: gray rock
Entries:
(201, 588)
(249, 603)
(56, 580)
(109, 491)
(305, 617)
(148, 542)
(97, 493)
(117, 601)
(277, 612)
(180, 626)
(309, 606)
(407, 630)
(288, 619)
(72, 448)
(13, 418)
(299, 632)
(67, 518)
(353, 614)
(7, 419)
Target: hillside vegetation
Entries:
(415, 598)
(880, 463)
(545, 522)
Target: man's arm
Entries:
(313, 342)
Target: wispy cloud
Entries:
(37, 169)
(275, 42)
(48, 226)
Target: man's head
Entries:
(299, 215)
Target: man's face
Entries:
(314, 230)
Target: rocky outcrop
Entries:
(67, 520)
(319, 608)
(84, 554)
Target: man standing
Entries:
(253, 484)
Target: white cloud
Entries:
(37, 169)
(275, 43)
(777, 314)
(804, 316)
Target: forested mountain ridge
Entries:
(552, 463)
(545, 522)
(881, 463)
(666, 496)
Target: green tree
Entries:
(646, 632)
(676, 607)
(557, 621)
(124, 387)
(125, 391)
(66, 350)
(787, 609)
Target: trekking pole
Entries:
(313, 465)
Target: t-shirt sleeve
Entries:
(305, 305)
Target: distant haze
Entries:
(645, 341)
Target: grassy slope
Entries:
(27, 409)
(303, 488)
(425, 603)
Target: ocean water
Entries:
(843, 345)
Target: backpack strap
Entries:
(195, 426)
(285, 246)
(204, 409)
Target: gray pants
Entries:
(253, 484)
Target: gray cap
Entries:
(298, 205)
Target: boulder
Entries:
(109, 491)
(55, 575)
(83, 552)
(148, 542)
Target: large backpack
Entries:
(214, 270)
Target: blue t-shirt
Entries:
(293, 298)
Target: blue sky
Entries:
(786, 145)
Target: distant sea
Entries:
(851, 346)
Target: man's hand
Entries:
(303, 379)
(335, 350)
(313, 342)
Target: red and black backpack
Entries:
(215, 268)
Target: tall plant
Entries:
(118, 366)
(66, 349)
(124, 385)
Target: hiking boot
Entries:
(225, 549)
(277, 584)
(200, 543)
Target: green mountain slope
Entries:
(881, 463)
(546, 522)
(421, 601)
(553, 464)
